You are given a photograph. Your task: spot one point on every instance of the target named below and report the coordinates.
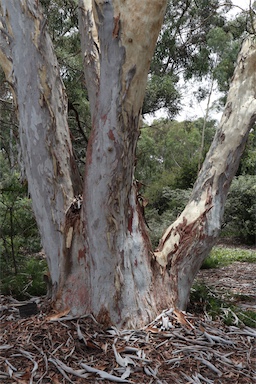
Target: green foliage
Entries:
(9, 126)
(215, 304)
(18, 235)
(165, 210)
(172, 200)
(197, 41)
(248, 318)
(240, 210)
(168, 152)
(224, 50)
(205, 299)
(248, 161)
(167, 160)
(167, 163)
(28, 281)
(162, 92)
(210, 262)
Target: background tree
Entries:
(197, 40)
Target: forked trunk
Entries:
(98, 251)
(99, 255)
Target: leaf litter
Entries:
(176, 347)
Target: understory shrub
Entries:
(161, 213)
(20, 273)
(205, 299)
(240, 210)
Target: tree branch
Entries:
(90, 49)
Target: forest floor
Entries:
(177, 347)
(235, 282)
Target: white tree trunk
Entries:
(30, 66)
(100, 259)
(188, 241)
(99, 256)
(119, 260)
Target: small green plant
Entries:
(248, 318)
(28, 281)
(240, 210)
(204, 299)
(210, 263)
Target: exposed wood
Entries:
(187, 242)
(111, 208)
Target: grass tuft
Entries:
(220, 257)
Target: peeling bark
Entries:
(187, 242)
(119, 261)
(32, 70)
(90, 49)
(97, 246)
(99, 255)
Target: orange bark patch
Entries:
(75, 299)
(103, 317)
(104, 118)
(111, 135)
(116, 26)
(81, 254)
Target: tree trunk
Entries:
(99, 256)
(188, 241)
(119, 260)
(31, 68)
(98, 251)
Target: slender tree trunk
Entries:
(201, 150)
(30, 66)
(188, 241)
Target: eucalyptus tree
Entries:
(93, 232)
(198, 40)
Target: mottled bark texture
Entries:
(117, 53)
(187, 242)
(98, 251)
(31, 68)
(99, 255)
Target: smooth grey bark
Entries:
(188, 241)
(31, 68)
